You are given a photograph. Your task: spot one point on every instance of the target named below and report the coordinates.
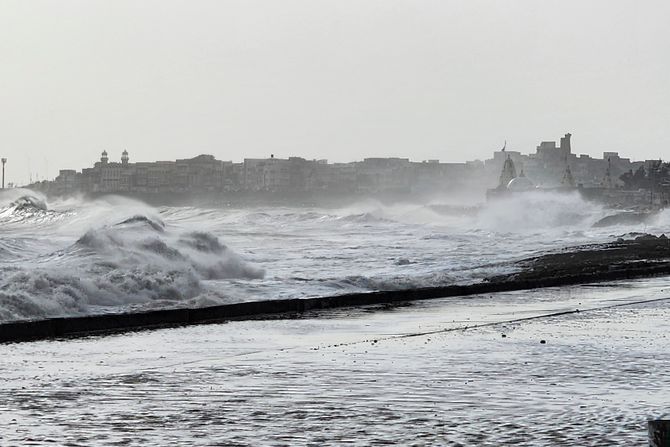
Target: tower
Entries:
(4, 160)
(607, 181)
(124, 157)
(565, 144)
(104, 159)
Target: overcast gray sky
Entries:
(340, 79)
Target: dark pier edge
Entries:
(287, 308)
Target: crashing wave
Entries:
(26, 208)
(537, 211)
(201, 252)
(29, 202)
(46, 293)
(155, 224)
(135, 262)
(204, 242)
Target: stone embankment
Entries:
(645, 255)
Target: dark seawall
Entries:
(290, 308)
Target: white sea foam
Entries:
(78, 256)
(539, 211)
(123, 258)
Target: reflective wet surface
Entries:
(450, 372)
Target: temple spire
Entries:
(568, 179)
(508, 173)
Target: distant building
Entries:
(67, 181)
(548, 165)
(201, 173)
(383, 174)
(551, 165)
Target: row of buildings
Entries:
(294, 174)
(546, 167)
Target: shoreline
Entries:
(645, 256)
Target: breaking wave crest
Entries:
(200, 252)
(21, 206)
(136, 261)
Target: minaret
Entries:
(124, 158)
(104, 159)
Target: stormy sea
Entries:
(115, 254)
(578, 365)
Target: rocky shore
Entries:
(643, 256)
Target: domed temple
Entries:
(510, 182)
(520, 183)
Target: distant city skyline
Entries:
(337, 80)
(553, 165)
(492, 157)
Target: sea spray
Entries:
(114, 254)
(127, 261)
(538, 210)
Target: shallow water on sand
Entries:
(433, 373)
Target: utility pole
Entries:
(4, 160)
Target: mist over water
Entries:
(115, 254)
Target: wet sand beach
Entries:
(458, 371)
